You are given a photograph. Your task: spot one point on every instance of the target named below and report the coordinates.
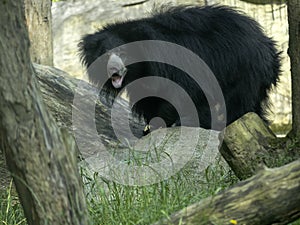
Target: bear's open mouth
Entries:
(116, 70)
(117, 80)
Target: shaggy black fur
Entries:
(243, 59)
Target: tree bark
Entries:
(270, 197)
(41, 157)
(244, 145)
(264, 2)
(39, 24)
(58, 91)
(294, 53)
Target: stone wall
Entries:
(74, 18)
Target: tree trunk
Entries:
(39, 24)
(40, 157)
(270, 197)
(294, 53)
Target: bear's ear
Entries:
(89, 48)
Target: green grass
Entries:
(11, 212)
(121, 205)
(110, 203)
(118, 204)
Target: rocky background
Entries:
(74, 18)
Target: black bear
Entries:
(243, 59)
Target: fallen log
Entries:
(245, 145)
(59, 89)
(270, 197)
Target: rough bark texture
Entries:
(243, 146)
(40, 157)
(270, 197)
(39, 24)
(265, 1)
(58, 90)
(294, 53)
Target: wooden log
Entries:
(270, 197)
(58, 90)
(244, 145)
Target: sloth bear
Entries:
(242, 58)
